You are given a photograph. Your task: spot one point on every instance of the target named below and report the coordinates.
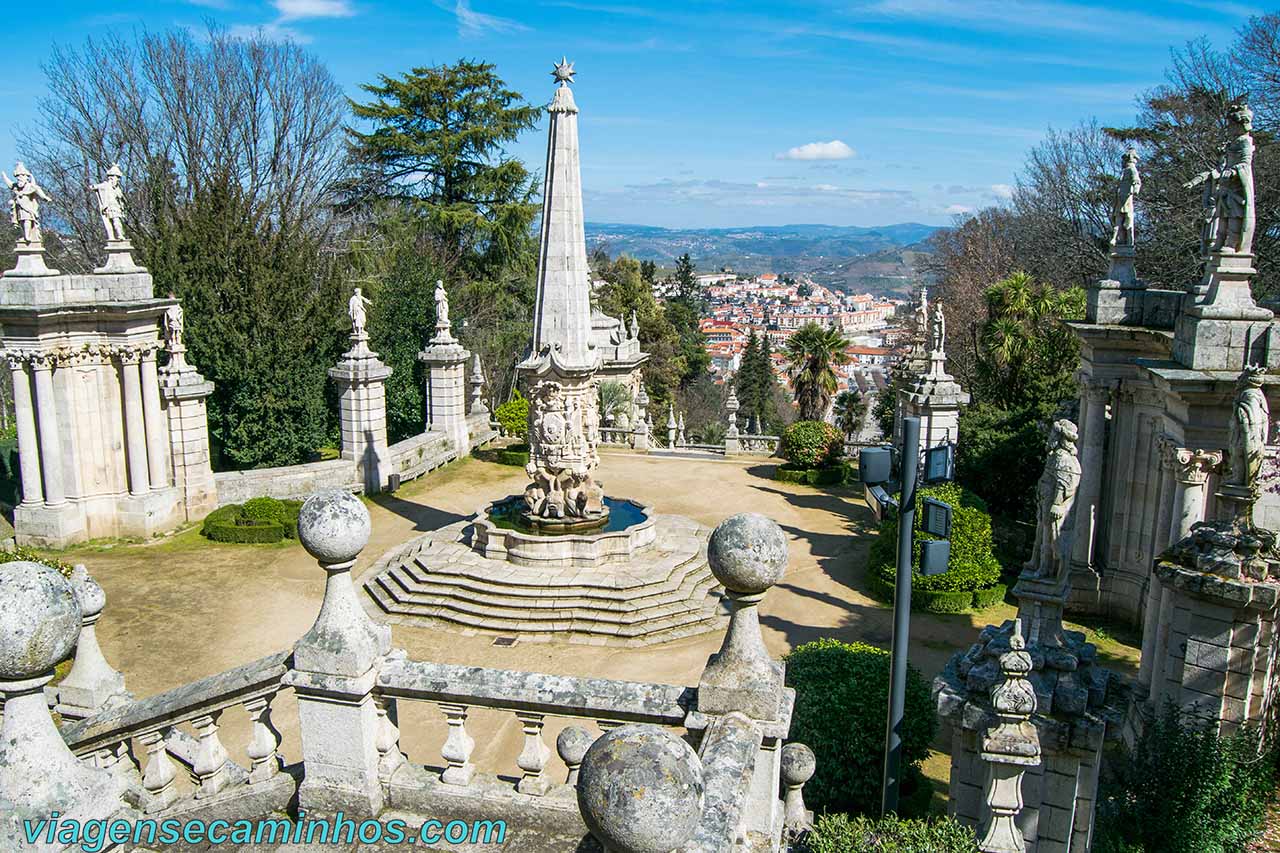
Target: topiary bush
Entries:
(811, 444)
(513, 416)
(516, 454)
(1183, 788)
(840, 833)
(842, 691)
(972, 566)
(256, 521)
(789, 473)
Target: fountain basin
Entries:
(498, 533)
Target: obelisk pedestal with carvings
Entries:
(560, 371)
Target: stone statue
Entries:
(111, 204)
(922, 316)
(1056, 497)
(938, 330)
(24, 207)
(355, 309)
(1230, 228)
(442, 306)
(1122, 210)
(173, 326)
(1247, 432)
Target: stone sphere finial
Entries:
(573, 743)
(640, 790)
(39, 620)
(748, 553)
(334, 526)
(798, 764)
(88, 592)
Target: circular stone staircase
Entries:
(663, 591)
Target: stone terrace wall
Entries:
(421, 453)
(292, 481)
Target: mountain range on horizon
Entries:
(880, 259)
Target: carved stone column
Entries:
(28, 444)
(731, 406)
(1008, 748)
(134, 424)
(1094, 397)
(153, 420)
(47, 423)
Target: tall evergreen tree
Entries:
(686, 283)
(436, 146)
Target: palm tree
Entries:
(850, 412)
(615, 401)
(812, 354)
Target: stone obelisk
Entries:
(559, 372)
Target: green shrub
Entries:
(830, 476)
(513, 416)
(516, 454)
(811, 444)
(256, 521)
(30, 555)
(839, 833)
(244, 531)
(941, 601)
(972, 565)
(281, 512)
(1000, 455)
(842, 691)
(1184, 789)
(984, 598)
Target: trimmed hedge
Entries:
(842, 691)
(840, 833)
(972, 568)
(811, 444)
(516, 454)
(255, 522)
(788, 473)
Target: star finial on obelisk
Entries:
(563, 71)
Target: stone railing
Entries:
(762, 444)
(107, 740)
(616, 436)
(636, 783)
(290, 481)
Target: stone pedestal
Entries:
(30, 261)
(183, 392)
(1216, 661)
(446, 388)
(362, 411)
(935, 398)
(119, 259)
(1118, 298)
(1220, 326)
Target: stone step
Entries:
(610, 577)
(415, 579)
(692, 598)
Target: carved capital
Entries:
(1191, 466)
(16, 358)
(129, 354)
(42, 360)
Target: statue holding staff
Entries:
(1230, 227)
(1124, 206)
(24, 207)
(111, 204)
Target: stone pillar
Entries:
(134, 424)
(28, 444)
(731, 443)
(477, 406)
(748, 555)
(153, 419)
(362, 412)
(183, 392)
(640, 433)
(446, 388)
(671, 426)
(1216, 660)
(92, 685)
(1008, 748)
(40, 619)
(335, 667)
(47, 423)
(1094, 397)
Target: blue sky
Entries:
(717, 114)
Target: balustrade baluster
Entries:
(457, 747)
(158, 792)
(209, 765)
(264, 744)
(533, 758)
(387, 740)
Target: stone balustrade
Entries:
(110, 740)
(762, 444)
(616, 436)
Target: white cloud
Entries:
(833, 150)
(268, 32)
(473, 23)
(298, 10)
(957, 209)
(1002, 191)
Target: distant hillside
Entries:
(880, 259)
